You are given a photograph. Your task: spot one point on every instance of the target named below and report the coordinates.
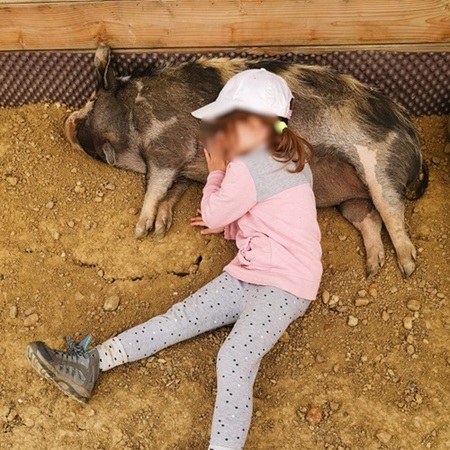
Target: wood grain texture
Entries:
(226, 23)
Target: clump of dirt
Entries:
(366, 368)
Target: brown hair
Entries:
(287, 148)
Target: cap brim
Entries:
(215, 110)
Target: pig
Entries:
(366, 150)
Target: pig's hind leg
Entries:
(363, 215)
(164, 215)
(159, 181)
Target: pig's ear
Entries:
(106, 78)
(110, 153)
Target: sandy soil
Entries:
(66, 234)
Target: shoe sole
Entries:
(38, 363)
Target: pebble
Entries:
(413, 305)
(29, 311)
(384, 437)
(285, 337)
(410, 339)
(410, 349)
(352, 321)
(71, 223)
(334, 300)
(362, 293)
(373, 291)
(79, 296)
(258, 413)
(79, 189)
(132, 211)
(111, 303)
(362, 302)
(31, 320)
(385, 316)
(408, 323)
(325, 296)
(12, 180)
(13, 311)
(447, 149)
(56, 235)
(98, 199)
(50, 205)
(435, 160)
(110, 187)
(314, 415)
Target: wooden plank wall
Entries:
(186, 25)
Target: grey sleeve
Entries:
(271, 177)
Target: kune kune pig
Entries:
(367, 152)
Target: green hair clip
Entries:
(280, 126)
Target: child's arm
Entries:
(227, 196)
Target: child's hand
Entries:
(198, 222)
(215, 153)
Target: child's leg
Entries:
(215, 305)
(266, 314)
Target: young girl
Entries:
(263, 199)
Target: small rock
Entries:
(393, 290)
(410, 339)
(413, 305)
(362, 293)
(352, 321)
(385, 316)
(362, 302)
(79, 296)
(410, 349)
(71, 223)
(258, 413)
(384, 437)
(98, 199)
(418, 398)
(408, 323)
(56, 235)
(13, 311)
(342, 237)
(79, 189)
(447, 149)
(12, 181)
(435, 160)
(29, 311)
(285, 337)
(110, 187)
(31, 320)
(314, 415)
(111, 303)
(132, 211)
(373, 291)
(334, 300)
(50, 205)
(325, 296)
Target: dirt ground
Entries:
(67, 246)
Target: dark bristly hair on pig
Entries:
(366, 150)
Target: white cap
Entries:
(256, 91)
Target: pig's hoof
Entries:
(406, 260)
(407, 267)
(163, 221)
(142, 228)
(374, 264)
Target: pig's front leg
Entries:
(159, 181)
(164, 215)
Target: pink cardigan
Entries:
(271, 213)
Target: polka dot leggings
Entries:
(261, 315)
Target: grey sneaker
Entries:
(75, 371)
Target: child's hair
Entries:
(287, 147)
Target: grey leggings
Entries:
(261, 314)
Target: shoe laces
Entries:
(77, 349)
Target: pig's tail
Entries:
(289, 147)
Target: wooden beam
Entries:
(218, 24)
